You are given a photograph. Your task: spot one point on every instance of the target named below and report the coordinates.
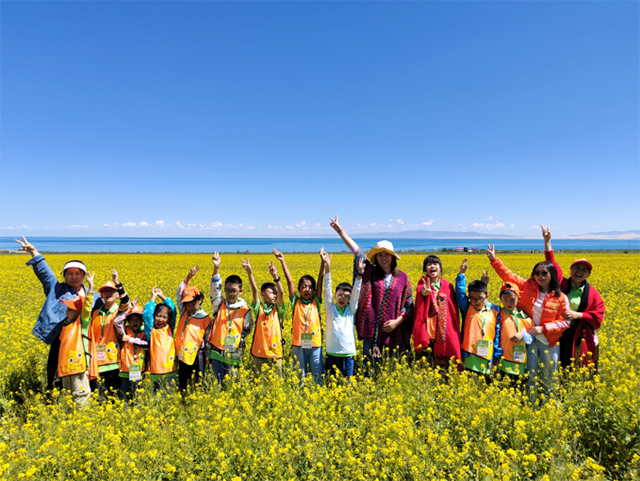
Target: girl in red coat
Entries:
(436, 324)
(545, 304)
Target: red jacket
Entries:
(425, 309)
(553, 308)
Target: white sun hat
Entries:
(382, 246)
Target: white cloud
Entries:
(399, 221)
(143, 224)
(482, 226)
(129, 224)
(430, 222)
(160, 223)
(513, 226)
(490, 217)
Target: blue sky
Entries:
(265, 118)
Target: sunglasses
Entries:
(541, 273)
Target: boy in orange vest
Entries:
(103, 333)
(133, 349)
(75, 360)
(480, 327)
(189, 333)
(232, 322)
(514, 338)
(267, 344)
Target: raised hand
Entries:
(114, 276)
(485, 277)
(215, 258)
(546, 233)
(361, 266)
(325, 256)
(426, 287)
(279, 255)
(26, 246)
(491, 251)
(464, 266)
(192, 272)
(133, 303)
(246, 265)
(335, 225)
(89, 279)
(272, 270)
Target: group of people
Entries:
(110, 342)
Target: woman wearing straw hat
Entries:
(49, 323)
(385, 309)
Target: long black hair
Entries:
(554, 285)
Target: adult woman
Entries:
(585, 312)
(384, 318)
(49, 323)
(542, 299)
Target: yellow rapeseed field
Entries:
(407, 424)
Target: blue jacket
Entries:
(49, 323)
(463, 303)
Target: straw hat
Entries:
(382, 246)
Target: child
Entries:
(133, 356)
(306, 339)
(266, 347)
(194, 321)
(159, 322)
(436, 317)
(341, 340)
(231, 325)
(542, 300)
(76, 362)
(103, 333)
(480, 328)
(514, 338)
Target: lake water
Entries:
(266, 244)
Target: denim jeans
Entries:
(344, 365)
(542, 365)
(308, 361)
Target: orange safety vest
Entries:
(162, 351)
(189, 335)
(306, 319)
(479, 325)
(102, 332)
(267, 337)
(71, 357)
(508, 328)
(221, 328)
(132, 354)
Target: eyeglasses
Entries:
(477, 299)
(541, 273)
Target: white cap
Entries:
(76, 264)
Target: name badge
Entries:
(230, 344)
(135, 372)
(483, 348)
(307, 341)
(519, 353)
(101, 352)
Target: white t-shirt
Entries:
(537, 314)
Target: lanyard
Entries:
(231, 314)
(307, 313)
(483, 318)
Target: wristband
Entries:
(277, 279)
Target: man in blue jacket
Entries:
(54, 312)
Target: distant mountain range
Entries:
(431, 234)
(614, 232)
